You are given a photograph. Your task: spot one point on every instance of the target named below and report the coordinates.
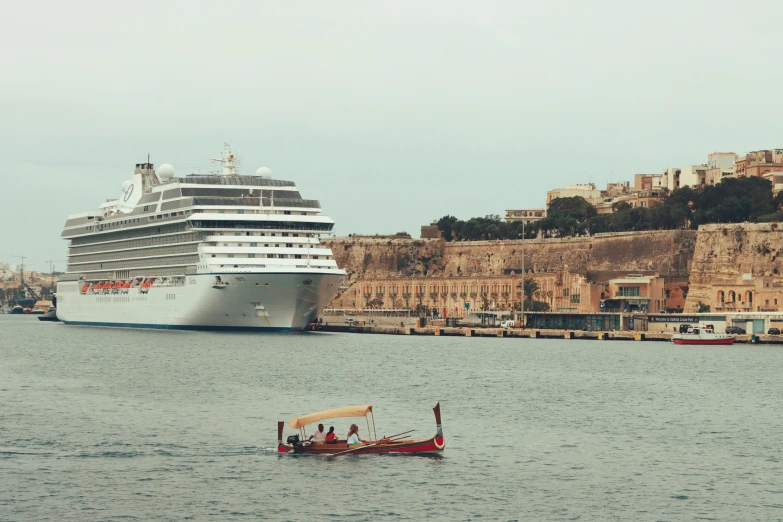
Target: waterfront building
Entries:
(562, 290)
(527, 215)
(634, 293)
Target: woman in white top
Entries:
(353, 435)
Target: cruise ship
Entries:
(221, 251)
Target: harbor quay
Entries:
(559, 325)
(528, 333)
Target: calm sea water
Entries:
(112, 424)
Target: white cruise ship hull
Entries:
(239, 302)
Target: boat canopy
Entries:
(348, 411)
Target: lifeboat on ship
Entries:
(702, 334)
(98, 286)
(397, 443)
(85, 288)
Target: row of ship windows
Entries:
(146, 252)
(140, 272)
(273, 245)
(157, 261)
(246, 211)
(109, 224)
(130, 234)
(186, 237)
(313, 228)
(275, 256)
(271, 234)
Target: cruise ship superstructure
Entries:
(221, 251)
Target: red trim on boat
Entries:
(704, 341)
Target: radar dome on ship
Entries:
(264, 172)
(166, 171)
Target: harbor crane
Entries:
(23, 285)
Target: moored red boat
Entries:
(702, 335)
(299, 444)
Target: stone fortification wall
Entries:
(737, 267)
(666, 252)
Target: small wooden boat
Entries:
(702, 335)
(299, 444)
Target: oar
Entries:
(398, 435)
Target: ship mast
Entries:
(229, 162)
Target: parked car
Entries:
(508, 324)
(774, 331)
(735, 330)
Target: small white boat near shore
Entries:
(702, 334)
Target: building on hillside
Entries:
(648, 182)
(585, 190)
(431, 231)
(758, 163)
(643, 199)
(690, 176)
(720, 165)
(776, 178)
(620, 188)
(526, 215)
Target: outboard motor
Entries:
(293, 440)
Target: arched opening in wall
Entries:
(721, 296)
(749, 297)
(732, 296)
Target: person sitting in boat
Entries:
(353, 435)
(331, 437)
(318, 436)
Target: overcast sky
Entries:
(390, 113)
